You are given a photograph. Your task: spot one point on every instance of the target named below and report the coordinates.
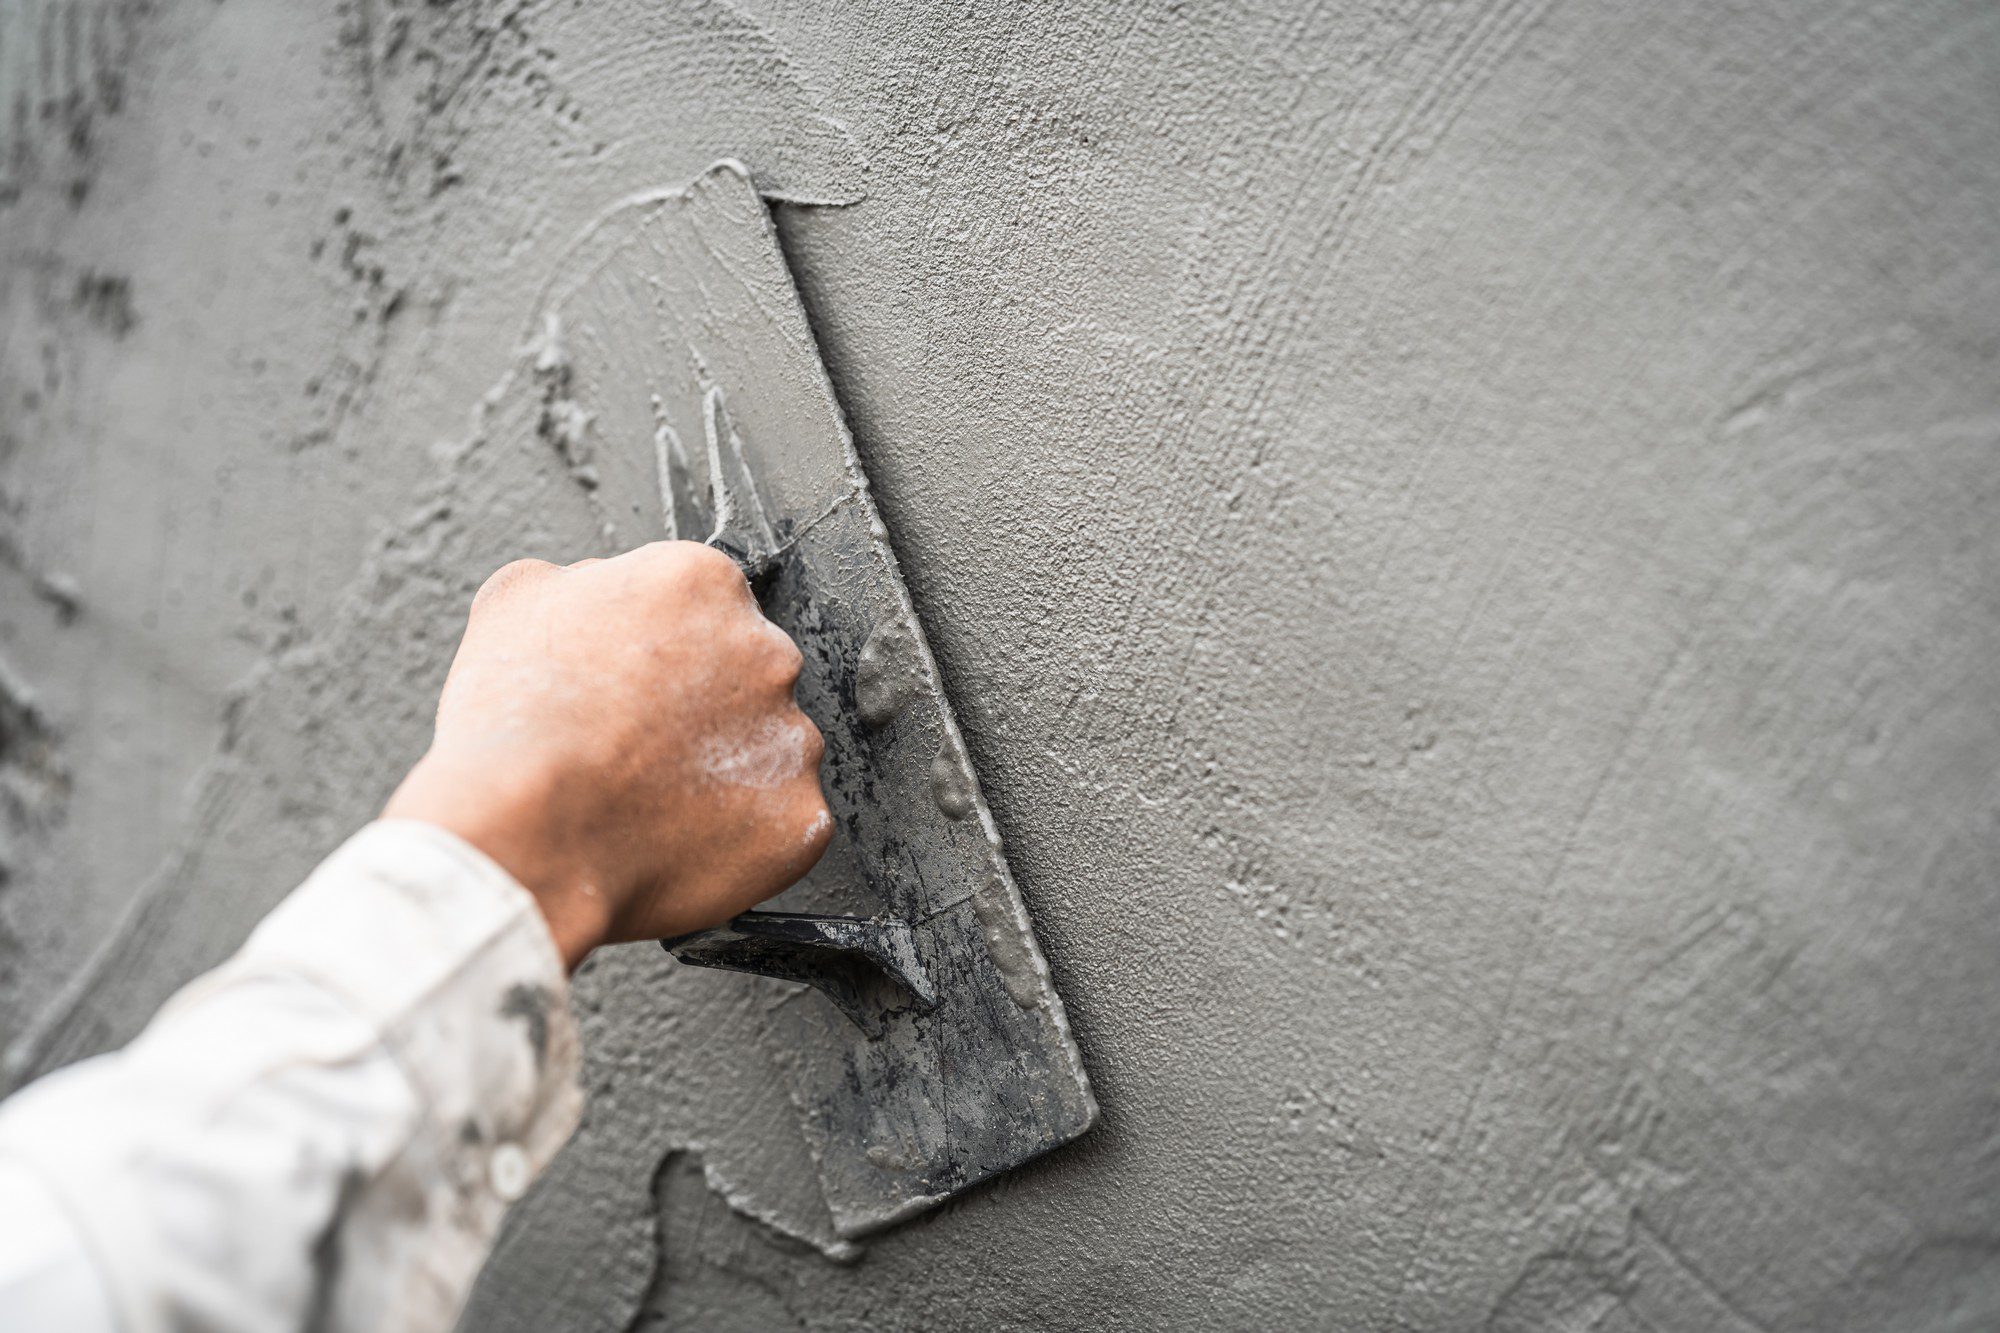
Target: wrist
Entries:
(512, 817)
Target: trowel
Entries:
(923, 1039)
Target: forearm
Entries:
(325, 1131)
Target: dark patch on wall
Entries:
(70, 72)
(345, 384)
(106, 301)
(59, 592)
(426, 70)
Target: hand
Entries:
(620, 735)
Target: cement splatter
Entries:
(1020, 971)
(952, 784)
(530, 1005)
(564, 423)
(888, 674)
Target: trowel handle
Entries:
(848, 959)
(758, 570)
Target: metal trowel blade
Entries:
(902, 1103)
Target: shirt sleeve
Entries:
(323, 1133)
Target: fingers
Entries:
(682, 556)
(707, 567)
(794, 833)
(679, 572)
(811, 817)
(777, 659)
(812, 750)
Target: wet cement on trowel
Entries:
(888, 674)
(1460, 537)
(686, 321)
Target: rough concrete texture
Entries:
(1461, 537)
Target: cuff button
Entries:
(509, 1172)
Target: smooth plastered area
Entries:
(1461, 539)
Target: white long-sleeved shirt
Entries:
(321, 1134)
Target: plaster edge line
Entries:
(739, 1202)
(654, 196)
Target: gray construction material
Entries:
(1461, 538)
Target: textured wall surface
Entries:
(1462, 537)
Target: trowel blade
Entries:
(687, 319)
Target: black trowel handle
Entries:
(868, 968)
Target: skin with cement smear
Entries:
(768, 757)
(1462, 536)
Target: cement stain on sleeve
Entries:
(530, 1004)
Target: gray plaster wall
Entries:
(1463, 538)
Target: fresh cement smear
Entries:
(1464, 558)
(1024, 975)
(888, 675)
(952, 785)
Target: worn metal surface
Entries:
(903, 1105)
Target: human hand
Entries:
(620, 735)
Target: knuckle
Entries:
(710, 573)
(814, 749)
(509, 575)
(686, 573)
(786, 659)
(678, 557)
(666, 548)
(707, 560)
